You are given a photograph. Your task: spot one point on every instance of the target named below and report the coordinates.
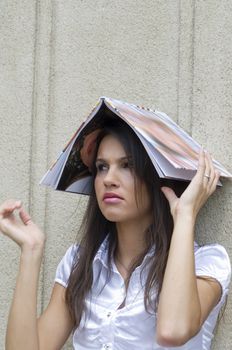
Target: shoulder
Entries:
(212, 260)
(212, 253)
(71, 257)
(71, 253)
(65, 266)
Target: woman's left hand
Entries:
(199, 190)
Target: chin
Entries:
(112, 216)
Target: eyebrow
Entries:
(119, 159)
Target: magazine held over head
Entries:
(172, 151)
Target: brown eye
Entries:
(101, 167)
(127, 164)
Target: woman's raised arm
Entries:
(185, 301)
(24, 331)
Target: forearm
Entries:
(22, 331)
(179, 312)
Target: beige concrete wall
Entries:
(58, 57)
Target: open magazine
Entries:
(172, 151)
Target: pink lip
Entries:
(111, 197)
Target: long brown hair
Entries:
(95, 227)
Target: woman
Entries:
(137, 280)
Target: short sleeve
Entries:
(213, 261)
(64, 268)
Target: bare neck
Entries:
(131, 242)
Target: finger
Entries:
(207, 174)
(208, 165)
(9, 206)
(169, 194)
(213, 171)
(215, 181)
(201, 165)
(25, 217)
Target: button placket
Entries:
(107, 329)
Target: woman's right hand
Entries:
(16, 223)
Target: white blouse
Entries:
(106, 326)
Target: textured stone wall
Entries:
(58, 57)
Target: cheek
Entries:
(99, 189)
(97, 186)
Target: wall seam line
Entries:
(51, 54)
(33, 109)
(178, 63)
(193, 65)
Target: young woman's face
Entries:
(115, 185)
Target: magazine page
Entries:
(164, 137)
(172, 151)
(63, 162)
(51, 178)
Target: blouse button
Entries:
(109, 314)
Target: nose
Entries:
(111, 178)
